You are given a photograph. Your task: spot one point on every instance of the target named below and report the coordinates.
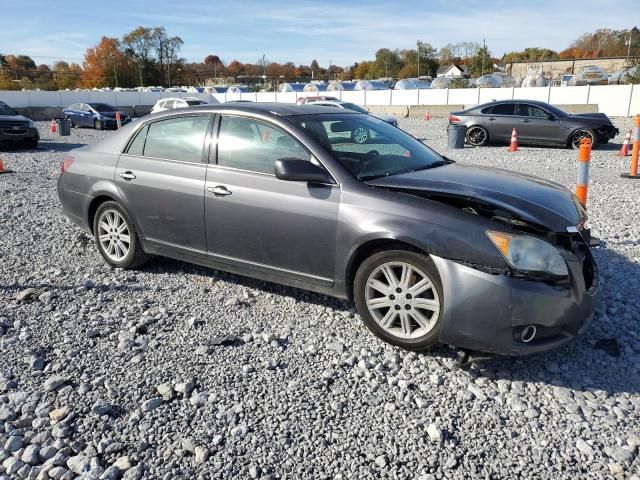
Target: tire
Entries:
(574, 140)
(107, 224)
(477, 136)
(400, 316)
(360, 135)
(97, 124)
(73, 125)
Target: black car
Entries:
(537, 123)
(17, 129)
(95, 115)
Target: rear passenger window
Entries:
(137, 145)
(177, 138)
(251, 145)
(504, 109)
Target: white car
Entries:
(171, 103)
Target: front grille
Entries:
(9, 127)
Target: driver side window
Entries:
(532, 111)
(247, 144)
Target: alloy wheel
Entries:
(476, 136)
(360, 135)
(114, 235)
(579, 136)
(402, 299)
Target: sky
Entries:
(340, 31)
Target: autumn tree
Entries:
(105, 65)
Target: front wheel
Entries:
(578, 136)
(116, 237)
(399, 296)
(477, 136)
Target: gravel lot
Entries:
(176, 371)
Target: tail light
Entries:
(453, 119)
(66, 163)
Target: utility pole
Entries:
(329, 73)
(115, 73)
(264, 69)
(629, 46)
(418, 43)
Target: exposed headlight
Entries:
(529, 254)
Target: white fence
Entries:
(614, 100)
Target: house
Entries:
(456, 71)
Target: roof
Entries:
(280, 109)
(444, 68)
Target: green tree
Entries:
(315, 68)
(139, 44)
(481, 63)
(387, 63)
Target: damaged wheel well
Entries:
(367, 249)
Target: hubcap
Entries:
(360, 135)
(476, 136)
(114, 235)
(402, 300)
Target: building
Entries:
(455, 71)
(554, 69)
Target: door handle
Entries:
(491, 119)
(127, 175)
(219, 190)
(525, 121)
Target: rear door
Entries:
(537, 125)
(257, 221)
(85, 117)
(161, 177)
(499, 120)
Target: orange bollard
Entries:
(427, 117)
(514, 141)
(53, 128)
(624, 149)
(584, 157)
(635, 139)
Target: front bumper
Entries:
(19, 135)
(487, 313)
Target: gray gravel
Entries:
(176, 371)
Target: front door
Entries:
(537, 126)
(255, 220)
(161, 177)
(499, 119)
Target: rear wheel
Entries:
(579, 135)
(97, 124)
(116, 237)
(71, 124)
(360, 135)
(398, 294)
(477, 136)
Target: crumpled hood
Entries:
(13, 118)
(595, 117)
(535, 200)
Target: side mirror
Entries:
(298, 170)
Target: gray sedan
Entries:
(429, 250)
(537, 123)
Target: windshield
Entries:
(367, 146)
(354, 107)
(102, 107)
(6, 109)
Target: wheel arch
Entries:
(368, 248)
(93, 207)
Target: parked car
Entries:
(17, 129)
(171, 103)
(359, 135)
(537, 123)
(95, 115)
(316, 98)
(429, 250)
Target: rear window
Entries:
(195, 102)
(179, 138)
(501, 109)
(136, 147)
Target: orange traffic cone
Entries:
(4, 170)
(427, 117)
(54, 126)
(624, 150)
(514, 141)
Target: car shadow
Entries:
(59, 146)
